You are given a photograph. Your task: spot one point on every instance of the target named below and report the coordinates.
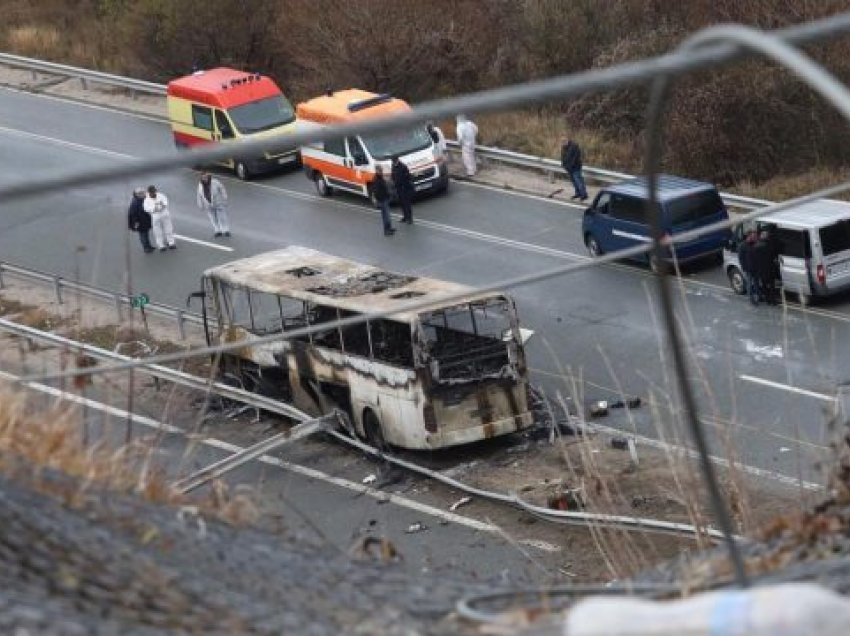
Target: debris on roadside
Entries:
(368, 479)
(620, 443)
(460, 502)
(566, 500)
(369, 548)
(598, 409)
(413, 528)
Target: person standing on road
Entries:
(764, 268)
(156, 204)
(571, 161)
(438, 138)
(745, 258)
(404, 189)
(467, 132)
(212, 198)
(139, 220)
(382, 199)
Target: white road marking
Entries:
(541, 198)
(67, 144)
(788, 387)
(312, 473)
(216, 246)
(78, 102)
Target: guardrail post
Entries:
(118, 311)
(57, 286)
(84, 83)
(181, 324)
(551, 174)
(1, 276)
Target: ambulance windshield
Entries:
(397, 142)
(263, 114)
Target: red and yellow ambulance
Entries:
(223, 104)
(349, 164)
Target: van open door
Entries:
(795, 261)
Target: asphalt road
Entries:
(764, 376)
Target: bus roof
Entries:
(348, 105)
(306, 274)
(223, 87)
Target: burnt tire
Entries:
(373, 432)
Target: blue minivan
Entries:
(617, 219)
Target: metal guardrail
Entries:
(549, 166)
(121, 302)
(83, 74)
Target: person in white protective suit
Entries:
(156, 204)
(212, 197)
(467, 131)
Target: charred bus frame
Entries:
(450, 374)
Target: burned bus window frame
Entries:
(255, 297)
(319, 338)
(386, 353)
(230, 310)
(352, 341)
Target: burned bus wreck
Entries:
(450, 374)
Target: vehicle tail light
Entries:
(821, 274)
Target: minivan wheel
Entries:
(322, 186)
(242, 171)
(736, 280)
(593, 247)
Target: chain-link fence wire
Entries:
(708, 48)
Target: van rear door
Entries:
(835, 246)
(795, 253)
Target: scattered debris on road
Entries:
(413, 528)
(460, 502)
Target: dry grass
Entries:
(34, 440)
(35, 40)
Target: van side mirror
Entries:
(732, 244)
(359, 158)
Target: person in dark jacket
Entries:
(139, 220)
(404, 189)
(764, 267)
(571, 162)
(745, 258)
(382, 199)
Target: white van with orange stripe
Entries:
(223, 104)
(349, 164)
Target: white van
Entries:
(813, 243)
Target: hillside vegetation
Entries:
(751, 124)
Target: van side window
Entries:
(223, 124)
(835, 238)
(202, 117)
(335, 147)
(627, 209)
(355, 150)
(793, 243)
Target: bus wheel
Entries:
(736, 280)
(322, 186)
(242, 171)
(372, 430)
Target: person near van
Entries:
(467, 133)
(139, 220)
(212, 198)
(156, 204)
(745, 258)
(382, 199)
(404, 189)
(438, 138)
(764, 266)
(571, 162)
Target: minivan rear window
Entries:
(835, 238)
(694, 207)
(793, 243)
